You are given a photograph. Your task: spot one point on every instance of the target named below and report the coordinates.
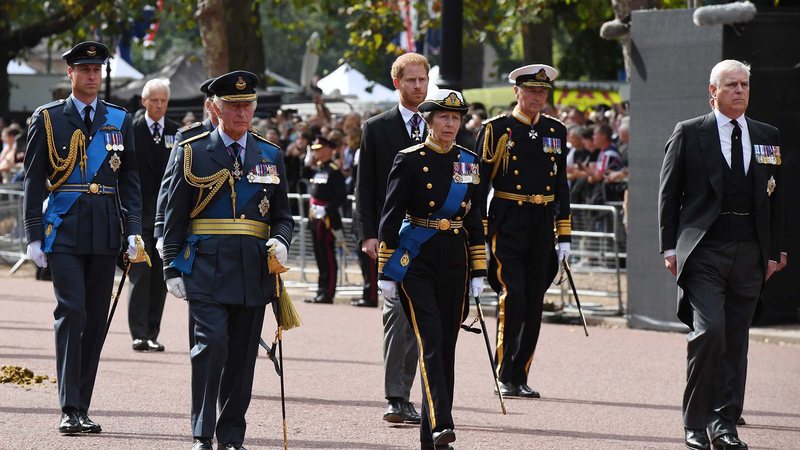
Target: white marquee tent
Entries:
(347, 81)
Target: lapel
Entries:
(146, 149)
(711, 151)
(760, 172)
(99, 117)
(219, 154)
(74, 116)
(252, 154)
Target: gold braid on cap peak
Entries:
(213, 182)
(64, 166)
(497, 154)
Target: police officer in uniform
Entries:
(227, 209)
(81, 152)
(183, 133)
(524, 156)
(327, 196)
(432, 253)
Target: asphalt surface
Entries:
(619, 388)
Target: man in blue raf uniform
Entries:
(227, 208)
(81, 152)
(524, 156)
(327, 196)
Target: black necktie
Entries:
(87, 118)
(156, 133)
(234, 151)
(737, 157)
(415, 132)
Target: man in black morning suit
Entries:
(155, 137)
(215, 254)
(383, 137)
(81, 151)
(721, 220)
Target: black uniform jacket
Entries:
(152, 159)
(418, 186)
(690, 194)
(327, 187)
(524, 159)
(228, 269)
(92, 224)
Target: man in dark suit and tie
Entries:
(81, 154)
(155, 137)
(383, 137)
(721, 221)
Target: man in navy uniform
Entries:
(81, 152)
(227, 208)
(524, 156)
(155, 137)
(327, 196)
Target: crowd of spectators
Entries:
(13, 137)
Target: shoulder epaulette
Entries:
(263, 139)
(194, 138)
(412, 149)
(492, 119)
(50, 105)
(191, 126)
(113, 105)
(333, 165)
(553, 118)
(461, 147)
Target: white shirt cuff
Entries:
(668, 253)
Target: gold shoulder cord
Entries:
(496, 155)
(59, 164)
(213, 182)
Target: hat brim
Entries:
(532, 83)
(240, 98)
(316, 146)
(80, 61)
(430, 105)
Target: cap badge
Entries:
(240, 84)
(541, 75)
(452, 100)
(91, 51)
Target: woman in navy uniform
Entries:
(81, 150)
(227, 208)
(431, 252)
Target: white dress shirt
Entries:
(407, 114)
(725, 128)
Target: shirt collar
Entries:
(723, 120)
(80, 105)
(407, 114)
(227, 140)
(150, 122)
(522, 117)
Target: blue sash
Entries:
(220, 208)
(58, 203)
(412, 237)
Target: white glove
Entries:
(563, 251)
(160, 247)
(176, 287)
(281, 252)
(389, 289)
(318, 211)
(37, 255)
(132, 250)
(476, 286)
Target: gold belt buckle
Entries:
(444, 225)
(94, 188)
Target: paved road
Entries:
(619, 388)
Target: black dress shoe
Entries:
(154, 346)
(728, 442)
(140, 345)
(696, 439)
(740, 421)
(202, 444)
(436, 447)
(508, 390)
(410, 415)
(394, 412)
(230, 446)
(319, 299)
(444, 437)
(364, 303)
(527, 392)
(70, 424)
(87, 424)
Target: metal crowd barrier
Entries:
(13, 247)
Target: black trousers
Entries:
(83, 286)
(369, 271)
(523, 257)
(223, 362)
(325, 256)
(433, 294)
(147, 294)
(722, 281)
